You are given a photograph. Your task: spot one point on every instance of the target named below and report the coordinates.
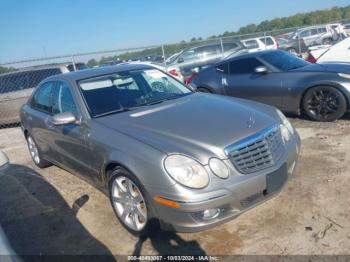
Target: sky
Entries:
(40, 28)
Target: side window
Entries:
(223, 68)
(188, 55)
(251, 44)
(314, 31)
(42, 97)
(209, 50)
(229, 46)
(324, 30)
(244, 66)
(267, 40)
(62, 100)
(305, 33)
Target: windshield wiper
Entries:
(114, 112)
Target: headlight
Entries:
(186, 171)
(347, 76)
(218, 167)
(286, 127)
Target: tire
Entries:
(36, 154)
(133, 212)
(204, 90)
(324, 104)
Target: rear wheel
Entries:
(130, 204)
(324, 103)
(36, 154)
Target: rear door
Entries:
(40, 109)
(68, 141)
(242, 81)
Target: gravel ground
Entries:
(50, 211)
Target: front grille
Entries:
(257, 152)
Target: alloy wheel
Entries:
(33, 149)
(129, 203)
(323, 103)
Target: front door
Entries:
(68, 141)
(243, 82)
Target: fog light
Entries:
(210, 213)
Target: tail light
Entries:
(173, 72)
(311, 58)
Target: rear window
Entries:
(267, 41)
(250, 44)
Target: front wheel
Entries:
(324, 104)
(130, 204)
(36, 154)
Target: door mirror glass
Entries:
(64, 119)
(261, 70)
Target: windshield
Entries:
(283, 60)
(125, 91)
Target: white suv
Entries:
(260, 43)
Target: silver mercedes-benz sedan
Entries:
(162, 153)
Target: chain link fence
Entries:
(19, 78)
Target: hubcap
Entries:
(323, 103)
(33, 150)
(129, 203)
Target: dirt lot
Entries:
(53, 212)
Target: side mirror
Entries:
(63, 119)
(261, 70)
(180, 60)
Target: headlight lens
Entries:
(186, 171)
(347, 76)
(218, 167)
(286, 127)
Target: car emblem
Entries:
(250, 122)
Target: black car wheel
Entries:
(324, 103)
(35, 153)
(130, 203)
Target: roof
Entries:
(94, 72)
(253, 54)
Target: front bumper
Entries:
(232, 200)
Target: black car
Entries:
(321, 91)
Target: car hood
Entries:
(199, 125)
(327, 67)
